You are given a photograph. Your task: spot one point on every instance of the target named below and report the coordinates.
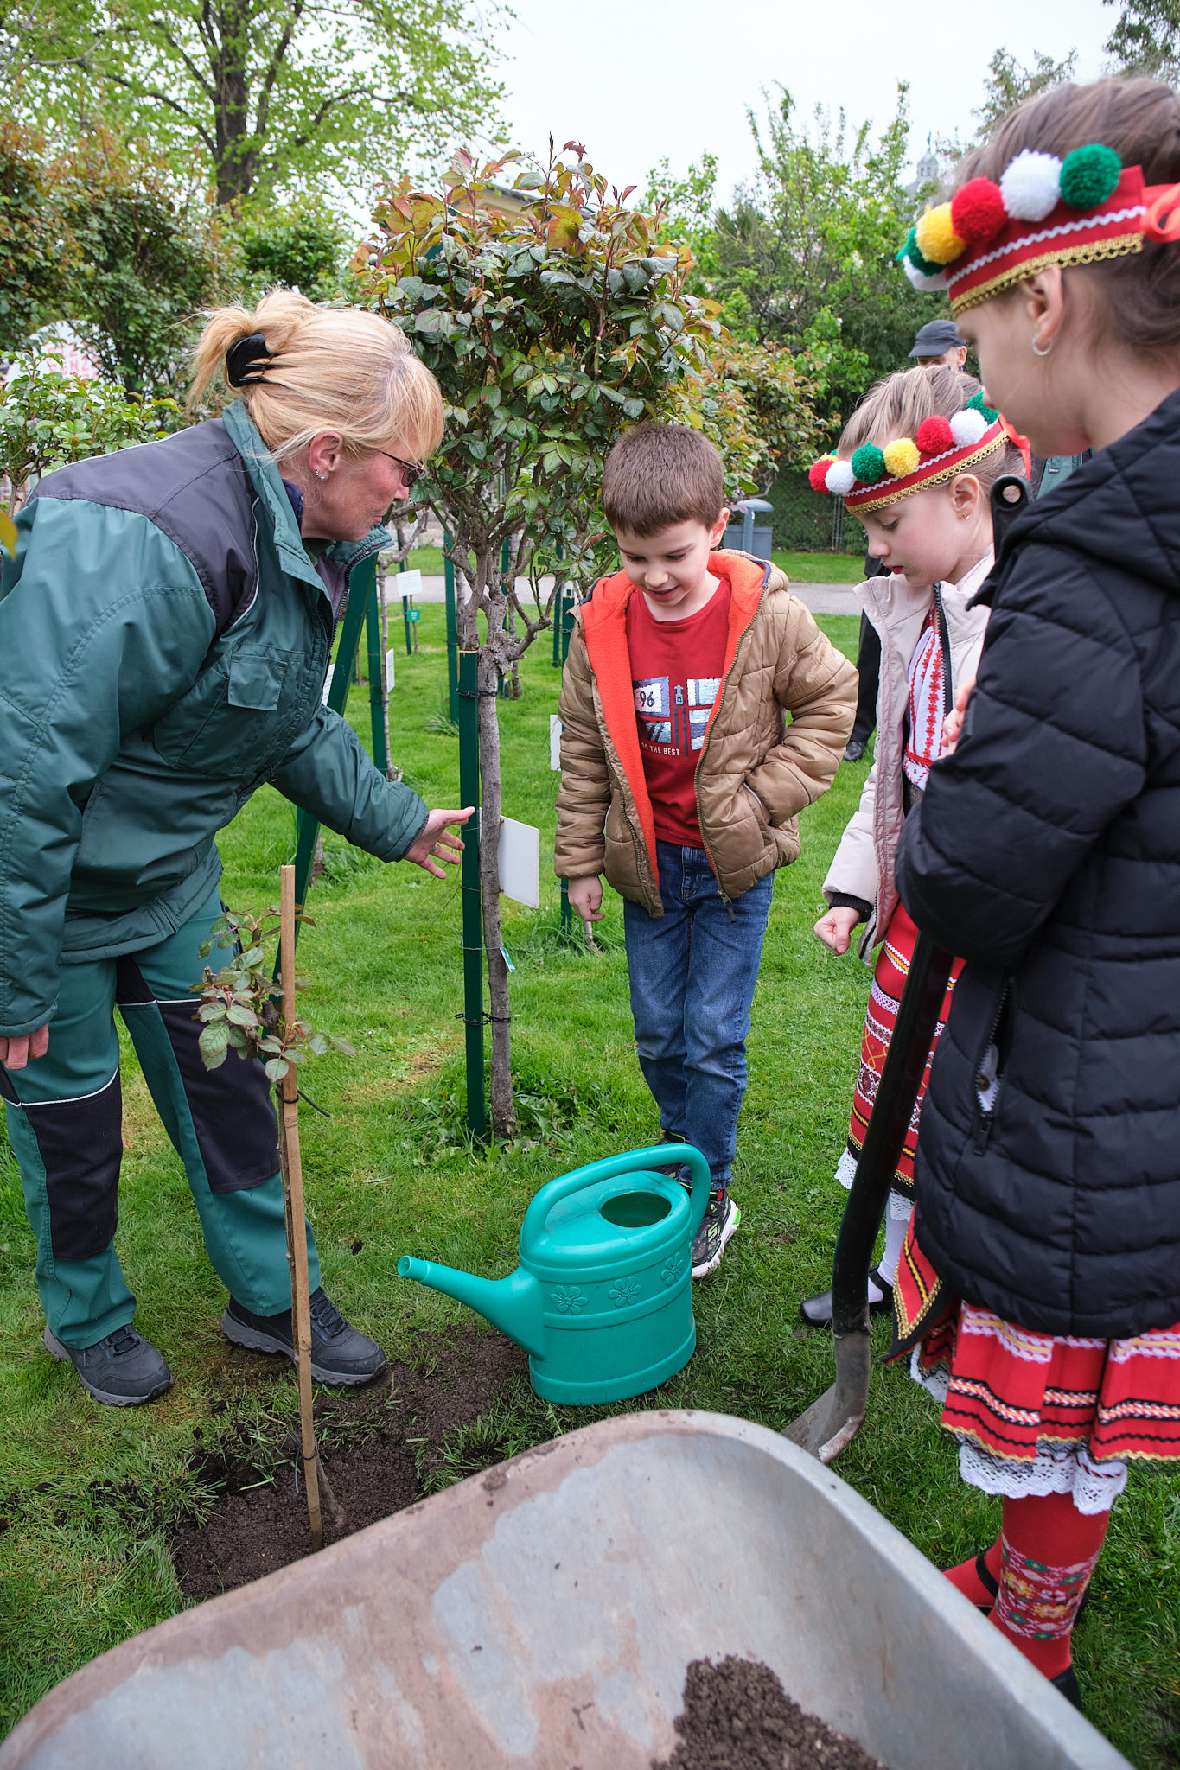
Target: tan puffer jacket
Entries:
(754, 772)
(864, 863)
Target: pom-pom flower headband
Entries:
(987, 238)
(939, 448)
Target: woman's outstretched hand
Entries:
(24, 1048)
(835, 927)
(437, 843)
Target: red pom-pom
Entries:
(978, 212)
(817, 474)
(934, 436)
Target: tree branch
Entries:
(166, 31)
(276, 62)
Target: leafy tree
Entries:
(553, 319)
(808, 250)
(49, 419)
(36, 253)
(147, 259)
(253, 96)
(1146, 39)
(1009, 83)
(756, 403)
(300, 248)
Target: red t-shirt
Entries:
(676, 671)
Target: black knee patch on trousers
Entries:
(81, 1146)
(231, 1108)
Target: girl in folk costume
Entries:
(917, 462)
(1039, 1288)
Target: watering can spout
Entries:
(512, 1304)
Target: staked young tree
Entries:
(256, 96)
(553, 316)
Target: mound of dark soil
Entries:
(375, 1444)
(737, 1716)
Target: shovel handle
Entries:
(917, 1017)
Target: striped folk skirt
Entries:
(889, 977)
(1037, 1413)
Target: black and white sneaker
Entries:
(122, 1369)
(339, 1354)
(718, 1224)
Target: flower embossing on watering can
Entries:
(600, 1299)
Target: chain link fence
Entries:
(807, 521)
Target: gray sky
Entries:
(638, 79)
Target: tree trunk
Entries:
(503, 1110)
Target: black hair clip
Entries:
(247, 360)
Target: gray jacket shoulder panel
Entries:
(194, 487)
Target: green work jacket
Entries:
(164, 640)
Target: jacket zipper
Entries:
(948, 689)
(721, 892)
(642, 862)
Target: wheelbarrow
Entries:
(543, 1614)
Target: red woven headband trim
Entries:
(932, 472)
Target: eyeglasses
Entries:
(412, 471)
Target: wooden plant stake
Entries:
(291, 1165)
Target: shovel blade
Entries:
(832, 1421)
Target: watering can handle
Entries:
(661, 1157)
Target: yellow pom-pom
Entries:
(901, 457)
(937, 239)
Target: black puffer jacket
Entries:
(1047, 852)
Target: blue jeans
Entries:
(692, 974)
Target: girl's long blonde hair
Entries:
(331, 368)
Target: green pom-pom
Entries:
(977, 403)
(868, 464)
(1088, 175)
(910, 250)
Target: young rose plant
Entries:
(241, 1008)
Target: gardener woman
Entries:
(165, 628)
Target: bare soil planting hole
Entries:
(376, 1444)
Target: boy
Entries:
(680, 779)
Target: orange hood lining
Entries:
(604, 631)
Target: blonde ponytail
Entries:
(329, 368)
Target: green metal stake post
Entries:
(469, 794)
(376, 674)
(452, 633)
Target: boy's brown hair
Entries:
(660, 474)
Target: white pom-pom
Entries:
(967, 428)
(920, 280)
(1031, 186)
(840, 479)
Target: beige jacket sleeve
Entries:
(583, 793)
(854, 865)
(815, 683)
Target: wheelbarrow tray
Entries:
(543, 1613)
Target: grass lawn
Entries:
(89, 1492)
(801, 568)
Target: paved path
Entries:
(821, 599)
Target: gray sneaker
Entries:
(339, 1354)
(123, 1369)
(718, 1224)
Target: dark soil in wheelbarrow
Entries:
(737, 1716)
(379, 1446)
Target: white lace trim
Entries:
(1056, 1468)
(899, 1205)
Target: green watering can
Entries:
(602, 1298)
